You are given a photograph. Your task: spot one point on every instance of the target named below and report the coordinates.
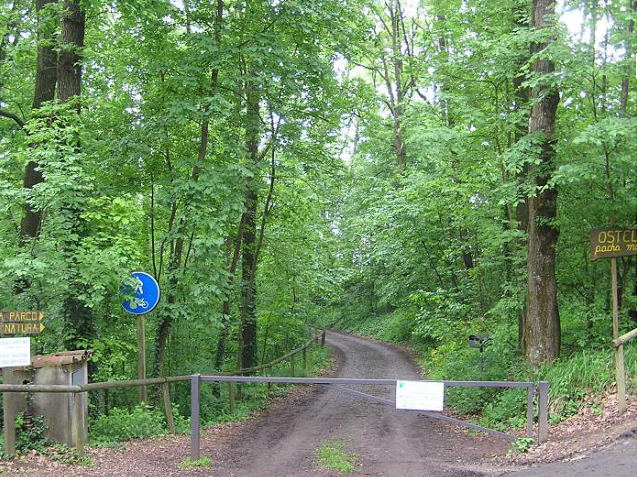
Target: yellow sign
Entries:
(612, 243)
(21, 322)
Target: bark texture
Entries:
(70, 58)
(248, 332)
(78, 317)
(542, 326)
(45, 81)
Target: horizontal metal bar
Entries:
(360, 381)
(470, 425)
(289, 380)
(489, 384)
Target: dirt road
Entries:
(283, 440)
(387, 442)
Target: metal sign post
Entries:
(141, 297)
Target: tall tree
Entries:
(45, 81)
(542, 327)
(78, 316)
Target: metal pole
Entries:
(530, 395)
(141, 358)
(543, 412)
(195, 382)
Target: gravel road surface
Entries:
(387, 442)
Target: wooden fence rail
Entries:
(9, 427)
(623, 339)
(620, 371)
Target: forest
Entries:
(412, 170)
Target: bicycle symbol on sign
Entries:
(139, 290)
(141, 295)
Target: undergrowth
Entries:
(581, 379)
(582, 376)
(146, 421)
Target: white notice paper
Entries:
(420, 396)
(15, 352)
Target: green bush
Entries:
(122, 425)
(32, 436)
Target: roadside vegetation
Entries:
(583, 377)
(418, 171)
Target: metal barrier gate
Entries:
(541, 390)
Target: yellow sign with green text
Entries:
(613, 243)
(21, 322)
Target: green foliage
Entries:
(201, 463)
(426, 255)
(121, 425)
(522, 444)
(332, 455)
(31, 434)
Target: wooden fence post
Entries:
(323, 339)
(168, 409)
(270, 384)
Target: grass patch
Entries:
(201, 463)
(332, 455)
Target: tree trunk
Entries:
(45, 81)
(78, 317)
(542, 327)
(69, 69)
(176, 253)
(392, 74)
(70, 58)
(225, 310)
(247, 339)
(248, 345)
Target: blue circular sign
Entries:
(142, 296)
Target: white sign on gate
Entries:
(15, 352)
(420, 396)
